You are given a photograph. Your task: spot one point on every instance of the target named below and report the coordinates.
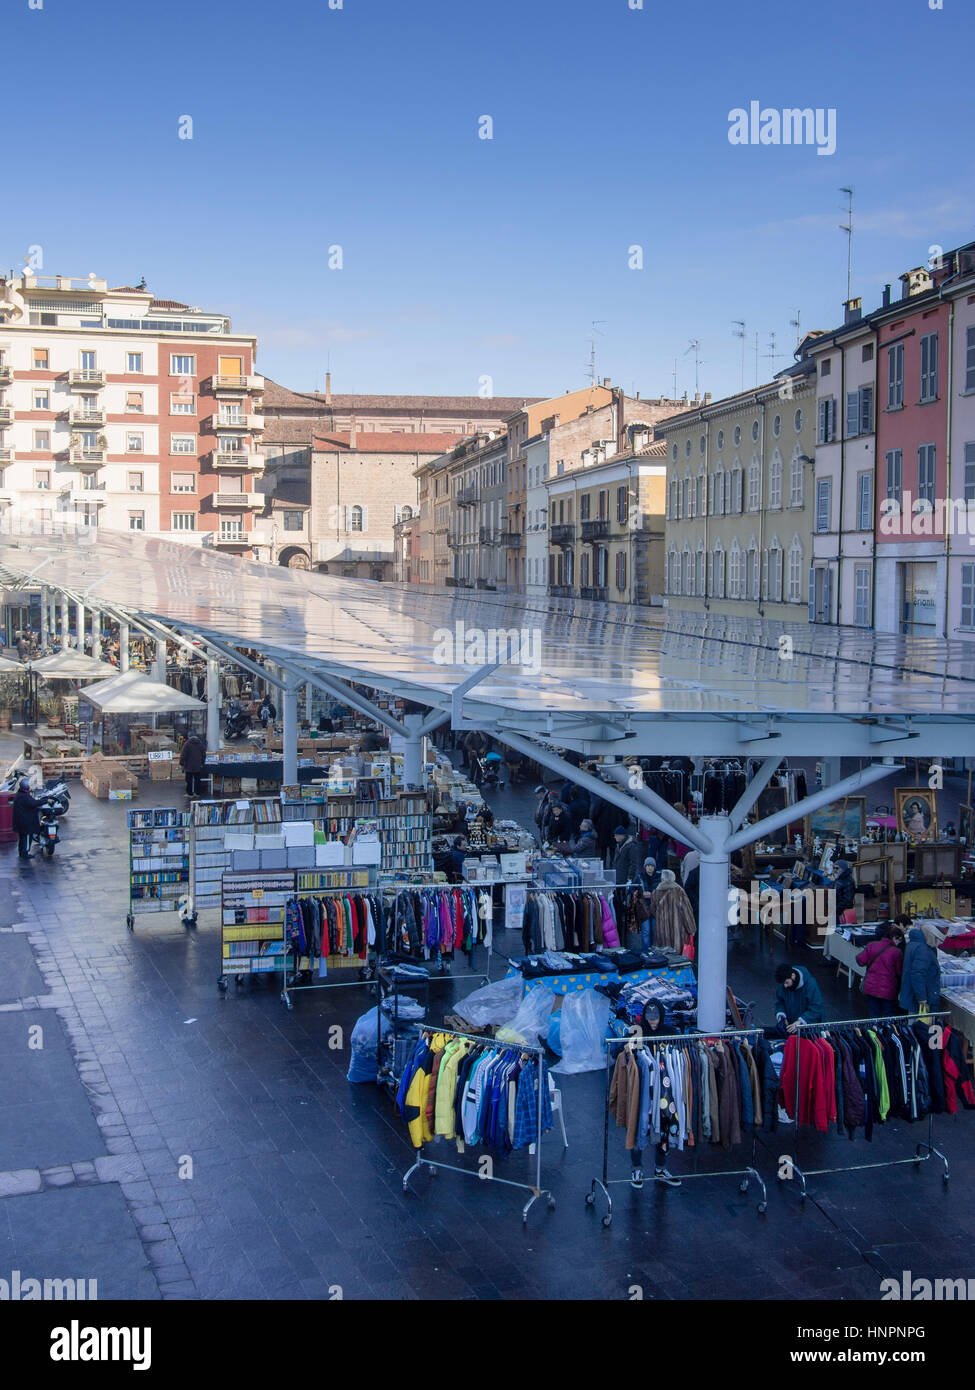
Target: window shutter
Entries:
(365, 518)
(348, 519)
(812, 595)
(866, 409)
(852, 413)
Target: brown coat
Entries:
(675, 924)
(624, 1095)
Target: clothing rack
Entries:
(291, 973)
(534, 1188)
(400, 886)
(671, 1040)
(811, 1029)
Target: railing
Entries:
(6, 374)
(86, 376)
(563, 534)
(86, 417)
(513, 539)
(82, 456)
(488, 536)
(6, 414)
(595, 530)
(600, 593)
(561, 591)
(222, 381)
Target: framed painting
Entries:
(917, 812)
(846, 819)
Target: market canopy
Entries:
(8, 667)
(606, 677)
(133, 693)
(71, 665)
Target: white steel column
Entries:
(413, 751)
(712, 926)
(309, 692)
(123, 646)
(290, 738)
(45, 615)
(52, 622)
(79, 620)
(96, 633)
(159, 661)
(213, 704)
(64, 621)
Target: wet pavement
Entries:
(171, 1141)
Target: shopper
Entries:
(797, 999)
(26, 818)
(605, 817)
(556, 828)
(584, 844)
(885, 965)
(577, 807)
(192, 758)
(267, 713)
(674, 922)
(475, 746)
(921, 977)
(515, 763)
(628, 858)
(653, 1024)
(373, 742)
(543, 801)
(650, 875)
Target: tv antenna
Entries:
(738, 331)
(796, 323)
(695, 347)
(592, 350)
(848, 228)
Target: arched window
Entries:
(686, 502)
(795, 571)
(775, 482)
(719, 492)
(773, 580)
(734, 499)
(717, 580)
(700, 506)
(795, 480)
(754, 485)
(687, 579)
(673, 573)
(734, 570)
(356, 519)
(699, 585)
(752, 576)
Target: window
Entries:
(824, 488)
(702, 484)
(88, 360)
(603, 504)
(894, 485)
(42, 400)
(734, 491)
(970, 473)
(895, 376)
(720, 439)
(42, 440)
(42, 479)
(294, 521)
(967, 596)
(719, 492)
(754, 431)
(182, 444)
(133, 443)
(773, 584)
(673, 451)
(775, 482)
(184, 521)
(137, 521)
(40, 359)
(864, 501)
(795, 481)
(926, 459)
(133, 361)
(826, 431)
(734, 571)
(797, 421)
(687, 448)
(231, 444)
(867, 354)
(718, 572)
(685, 498)
(777, 426)
(231, 528)
(182, 403)
(703, 444)
(620, 569)
(970, 359)
(184, 482)
(754, 486)
(861, 596)
(134, 482)
(795, 571)
(699, 582)
(622, 505)
(737, 435)
(133, 402)
(826, 366)
(672, 576)
(929, 367)
(182, 364)
(753, 571)
(89, 481)
(859, 411)
(584, 571)
(231, 414)
(355, 516)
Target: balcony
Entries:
(234, 385)
(6, 374)
(86, 419)
(6, 414)
(85, 378)
(561, 591)
(488, 536)
(239, 500)
(247, 424)
(468, 496)
(486, 584)
(453, 542)
(6, 454)
(86, 458)
(512, 539)
(596, 530)
(236, 459)
(563, 535)
(83, 496)
(601, 595)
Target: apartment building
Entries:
(122, 410)
(475, 538)
(606, 527)
(960, 356)
(739, 504)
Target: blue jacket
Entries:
(805, 1001)
(921, 978)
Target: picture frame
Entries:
(965, 826)
(846, 818)
(916, 812)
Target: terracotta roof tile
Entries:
(473, 407)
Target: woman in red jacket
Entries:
(881, 984)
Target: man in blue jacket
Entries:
(797, 999)
(921, 976)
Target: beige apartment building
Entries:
(739, 511)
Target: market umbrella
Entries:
(10, 668)
(70, 665)
(131, 692)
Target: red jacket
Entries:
(817, 1083)
(884, 962)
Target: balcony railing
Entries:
(86, 418)
(561, 590)
(488, 536)
(240, 501)
(600, 593)
(563, 534)
(85, 458)
(468, 496)
(596, 530)
(6, 414)
(6, 454)
(84, 496)
(6, 374)
(247, 424)
(450, 581)
(220, 381)
(238, 459)
(513, 540)
(229, 538)
(86, 376)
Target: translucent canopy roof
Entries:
(71, 665)
(130, 692)
(579, 658)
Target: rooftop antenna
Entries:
(695, 347)
(674, 375)
(592, 350)
(848, 228)
(796, 323)
(738, 331)
(772, 354)
(756, 359)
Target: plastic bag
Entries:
(530, 1024)
(554, 1039)
(497, 1003)
(585, 1024)
(364, 1046)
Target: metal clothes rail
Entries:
(289, 976)
(811, 1029)
(534, 1188)
(643, 1040)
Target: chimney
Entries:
(852, 310)
(607, 381)
(886, 298)
(328, 388)
(707, 398)
(352, 433)
(915, 282)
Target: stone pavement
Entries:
(174, 1142)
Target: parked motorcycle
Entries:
(49, 835)
(237, 722)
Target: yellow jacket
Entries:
(445, 1115)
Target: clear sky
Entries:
(466, 258)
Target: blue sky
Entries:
(466, 258)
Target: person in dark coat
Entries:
(797, 999)
(921, 977)
(584, 845)
(191, 759)
(577, 807)
(605, 817)
(885, 965)
(373, 742)
(27, 818)
(556, 827)
(628, 859)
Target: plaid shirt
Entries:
(526, 1105)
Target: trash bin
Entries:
(7, 833)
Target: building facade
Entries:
(475, 539)
(122, 410)
(738, 511)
